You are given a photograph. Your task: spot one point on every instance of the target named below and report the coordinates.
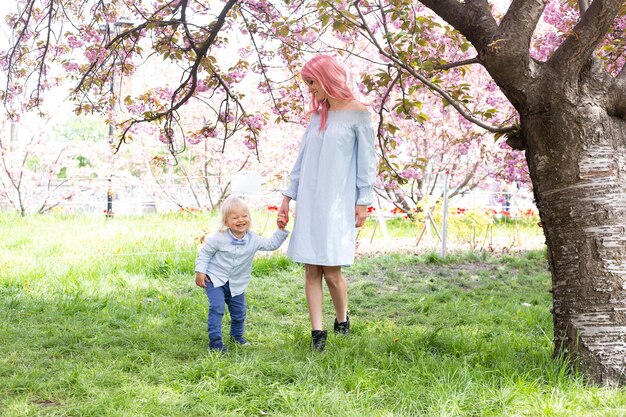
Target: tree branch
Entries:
(42, 59)
(468, 176)
(185, 91)
(183, 18)
(519, 24)
(262, 66)
(381, 118)
(451, 65)
(583, 5)
(503, 50)
(14, 54)
(410, 70)
(573, 53)
(472, 18)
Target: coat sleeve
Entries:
(366, 163)
(206, 254)
(294, 177)
(273, 242)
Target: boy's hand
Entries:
(201, 279)
(281, 221)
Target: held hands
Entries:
(281, 222)
(201, 279)
(283, 214)
(360, 212)
(361, 215)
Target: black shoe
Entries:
(344, 327)
(318, 339)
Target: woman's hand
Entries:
(283, 213)
(361, 215)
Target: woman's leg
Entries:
(338, 291)
(314, 294)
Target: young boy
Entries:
(223, 269)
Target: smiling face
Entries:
(238, 221)
(315, 88)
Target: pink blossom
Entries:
(4, 62)
(245, 52)
(263, 87)
(236, 75)
(254, 121)
(94, 54)
(250, 143)
(73, 42)
(71, 66)
(463, 148)
(391, 185)
(411, 172)
(201, 87)
(194, 139)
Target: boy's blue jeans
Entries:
(218, 298)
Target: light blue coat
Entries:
(223, 261)
(335, 171)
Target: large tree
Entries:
(573, 131)
(571, 109)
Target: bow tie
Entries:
(236, 241)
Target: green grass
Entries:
(103, 319)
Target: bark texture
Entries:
(574, 133)
(577, 159)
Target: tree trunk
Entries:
(576, 151)
(577, 159)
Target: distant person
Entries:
(332, 181)
(223, 269)
(507, 193)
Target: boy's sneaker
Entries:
(318, 340)
(217, 346)
(240, 340)
(343, 328)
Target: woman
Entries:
(332, 181)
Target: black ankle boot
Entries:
(344, 327)
(318, 339)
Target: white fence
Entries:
(141, 196)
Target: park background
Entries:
(102, 316)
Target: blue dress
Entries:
(335, 171)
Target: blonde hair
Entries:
(228, 206)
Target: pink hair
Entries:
(332, 77)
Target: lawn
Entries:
(102, 318)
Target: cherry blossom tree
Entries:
(36, 169)
(436, 141)
(200, 177)
(569, 97)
